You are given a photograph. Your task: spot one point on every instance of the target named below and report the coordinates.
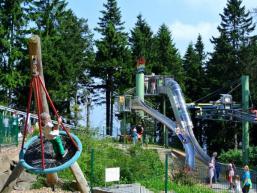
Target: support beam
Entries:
(140, 90)
(8, 186)
(36, 56)
(245, 124)
(165, 130)
(80, 178)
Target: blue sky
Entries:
(185, 18)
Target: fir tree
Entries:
(192, 67)
(13, 23)
(168, 60)
(141, 42)
(112, 56)
(235, 29)
(67, 51)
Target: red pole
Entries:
(56, 113)
(39, 123)
(27, 115)
(40, 106)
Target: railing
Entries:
(8, 130)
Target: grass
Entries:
(137, 165)
(179, 188)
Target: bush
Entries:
(231, 155)
(236, 156)
(184, 178)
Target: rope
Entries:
(234, 88)
(56, 112)
(39, 121)
(216, 91)
(28, 109)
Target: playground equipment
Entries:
(156, 85)
(37, 154)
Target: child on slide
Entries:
(51, 133)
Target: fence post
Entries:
(92, 169)
(166, 173)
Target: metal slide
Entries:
(137, 104)
(175, 95)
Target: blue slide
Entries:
(137, 104)
(172, 89)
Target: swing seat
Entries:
(31, 157)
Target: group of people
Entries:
(234, 179)
(137, 133)
(231, 175)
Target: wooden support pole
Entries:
(36, 58)
(8, 186)
(80, 178)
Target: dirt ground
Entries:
(42, 190)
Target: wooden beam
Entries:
(80, 178)
(35, 57)
(8, 186)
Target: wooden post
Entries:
(35, 55)
(80, 178)
(8, 186)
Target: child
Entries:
(52, 134)
(237, 184)
(231, 174)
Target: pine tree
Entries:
(112, 56)
(192, 67)
(13, 23)
(199, 49)
(235, 29)
(168, 61)
(236, 24)
(141, 42)
(67, 51)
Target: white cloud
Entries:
(184, 33)
(210, 4)
(216, 4)
(190, 32)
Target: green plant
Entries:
(236, 156)
(184, 178)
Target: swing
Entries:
(37, 154)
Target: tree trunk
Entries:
(108, 94)
(236, 143)
(111, 117)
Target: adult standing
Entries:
(140, 131)
(246, 180)
(213, 161)
(211, 173)
(153, 84)
(217, 171)
(134, 135)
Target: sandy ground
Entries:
(42, 190)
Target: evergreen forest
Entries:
(78, 65)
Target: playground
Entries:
(97, 106)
